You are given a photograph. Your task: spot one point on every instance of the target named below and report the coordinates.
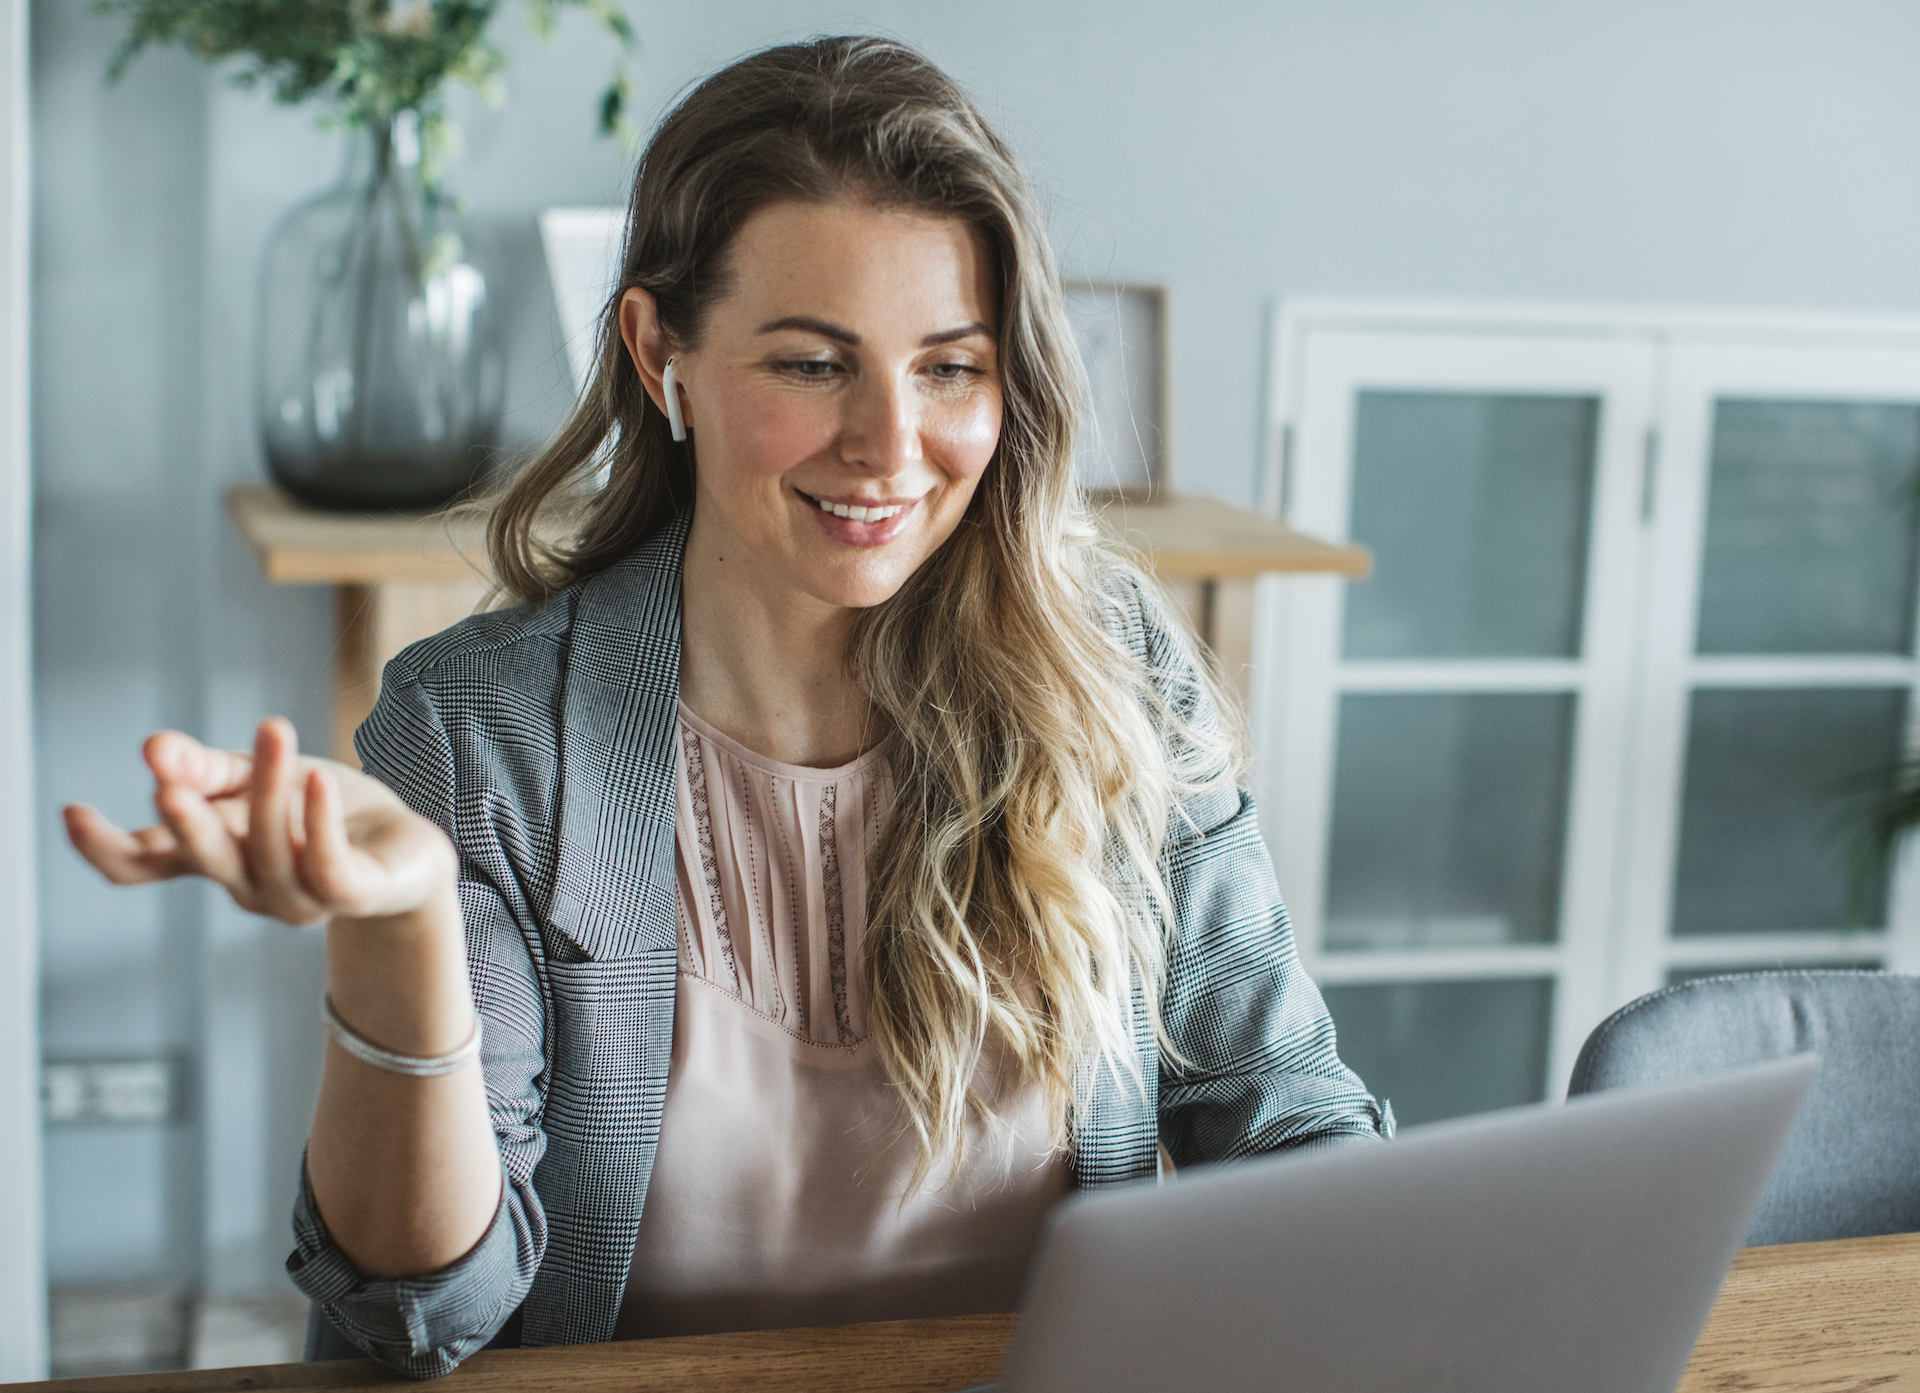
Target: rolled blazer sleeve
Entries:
(1261, 1071)
(1258, 1069)
(423, 1326)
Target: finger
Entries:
(269, 834)
(156, 841)
(232, 812)
(124, 858)
(180, 759)
(205, 844)
(326, 862)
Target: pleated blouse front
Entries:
(780, 1191)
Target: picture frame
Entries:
(582, 247)
(1123, 332)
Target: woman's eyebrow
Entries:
(965, 331)
(839, 332)
(825, 327)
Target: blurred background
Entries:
(1586, 317)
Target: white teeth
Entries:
(857, 514)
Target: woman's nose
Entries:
(882, 433)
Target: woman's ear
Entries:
(646, 342)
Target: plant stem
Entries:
(415, 258)
(333, 284)
(369, 285)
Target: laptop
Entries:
(1573, 1248)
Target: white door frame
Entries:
(1700, 371)
(1616, 372)
(23, 1272)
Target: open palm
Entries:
(298, 839)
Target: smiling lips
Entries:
(879, 512)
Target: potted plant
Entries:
(378, 362)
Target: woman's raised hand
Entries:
(298, 839)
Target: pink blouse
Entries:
(779, 1191)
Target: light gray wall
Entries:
(1699, 151)
(23, 1343)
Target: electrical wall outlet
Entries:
(77, 1092)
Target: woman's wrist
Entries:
(400, 980)
(410, 1065)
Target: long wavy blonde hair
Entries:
(1016, 895)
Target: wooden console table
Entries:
(399, 578)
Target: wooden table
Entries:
(398, 578)
(1806, 1318)
(1835, 1317)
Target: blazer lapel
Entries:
(613, 884)
(610, 1021)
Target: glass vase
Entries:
(379, 359)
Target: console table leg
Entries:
(356, 675)
(372, 623)
(1230, 632)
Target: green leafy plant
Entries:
(1887, 823)
(371, 60)
(1892, 813)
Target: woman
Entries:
(833, 858)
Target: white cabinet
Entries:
(1639, 642)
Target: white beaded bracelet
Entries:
(412, 1065)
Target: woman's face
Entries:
(846, 397)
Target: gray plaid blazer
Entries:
(541, 740)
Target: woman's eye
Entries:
(809, 367)
(953, 372)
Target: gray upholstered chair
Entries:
(1851, 1166)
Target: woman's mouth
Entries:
(855, 512)
(862, 525)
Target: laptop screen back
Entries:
(1574, 1248)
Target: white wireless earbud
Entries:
(676, 422)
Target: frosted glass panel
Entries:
(1476, 507)
(1441, 1049)
(1449, 813)
(1775, 781)
(1810, 531)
